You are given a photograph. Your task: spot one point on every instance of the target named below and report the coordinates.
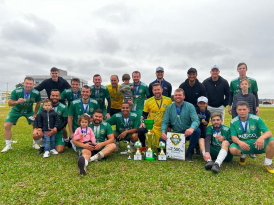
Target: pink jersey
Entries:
(89, 136)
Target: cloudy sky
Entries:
(87, 37)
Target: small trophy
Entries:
(149, 153)
(128, 151)
(138, 155)
(162, 156)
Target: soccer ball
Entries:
(137, 145)
(162, 145)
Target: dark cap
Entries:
(191, 70)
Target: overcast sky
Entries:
(88, 37)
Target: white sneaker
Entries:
(35, 146)
(46, 154)
(6, 148)
(53, 151)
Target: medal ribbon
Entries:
(160, 104)
(75, 95)
(126, 123)
(177, 110)
(244, 129)
(162, 84)
(97, 92)
(84, 110)
(84, 132)
(26, 95)
(137, 90)
(216, 132)
(203, 115)
(54, 107)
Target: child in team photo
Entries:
(126, 88)
(48, 120)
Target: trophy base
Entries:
(161, 157)
(150, 156)
(137, 157)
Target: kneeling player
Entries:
(216, 143)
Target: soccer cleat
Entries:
(269, 168)
(215, 168)
(35, 146)
(252, 156)
(242, 161)
(209, 165)
(190, 157)
(41, 150)
(143, 149)
(53, 151)
(46, 154)
(6, 148)
(82, 165)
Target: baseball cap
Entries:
(191, 70)
(202, 99)
(159, 69)
(215, 66)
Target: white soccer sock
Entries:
(221, 156)
(86, 162)
(267, 161)
(243, 156)
(41, 142)
(95, 157)
(203, 152)
(8, 142)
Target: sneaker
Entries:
(41, 150)
(82, 165)
(190, 157)
(215, 168)
(117, 143)
(53, 151)
(46, 154)
(242, 161)
(209, 165)
(198, 152)
(143, 149)
(252, 156)
(6, 148)
(269, 168)
(68, 144)
(35, 146)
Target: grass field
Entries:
(28, 178)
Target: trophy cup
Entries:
(128, 150)
(162, 156)
(138, 155)
(149, 153)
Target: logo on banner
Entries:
(175, 139)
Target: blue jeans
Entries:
(193, 140)
(48, 140)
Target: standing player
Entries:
(72, 93)
(22, 100)
(154, 109)
(246, 134)
(100, 93)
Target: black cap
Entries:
(191, 70)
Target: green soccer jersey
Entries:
(27, 106)
(224, 131)
(254, 127)
(77, 108)
(60, 109)
(102, 131)
(123, 124)
(234, 86)
(100, 95)
(68, 95)
(139, 96)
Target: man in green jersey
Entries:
(246, 132)
(235, 87)
(127, 125)
(62, 112)
(104, 145)
(100, 93)
(79, 107)
(140, 93)
(215, 144)
(22, 100)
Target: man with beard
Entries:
(216, 143)
(62, 112)
(166, 86)
(84, 105)
(22, 100)
(104, 145)
(127, 125)
(183, 118)
(100, 93)
(154, 109)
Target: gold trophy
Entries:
(149, 153)
(138, 155)
(162, 155)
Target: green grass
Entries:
(27, 178)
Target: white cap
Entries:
(202, 99)
(215, 66)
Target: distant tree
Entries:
(19, 85)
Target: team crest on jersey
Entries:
(253, 127)
(102, 94)
(164, 105)
(32, 99)
(59, 112)
(140, 91)
(175, 139)
(119, 93)
(102, 132)
(130, 123)
(91, 109)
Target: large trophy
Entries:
(149, 153)
(138, 155)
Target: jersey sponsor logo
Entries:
(247, 136)
(216, 144)
(253, 127)
(175, 139)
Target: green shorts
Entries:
(59, 138)
(127, 137)
(13, 116)
(251, 144)
(214, 151)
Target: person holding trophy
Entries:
(183, 118)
